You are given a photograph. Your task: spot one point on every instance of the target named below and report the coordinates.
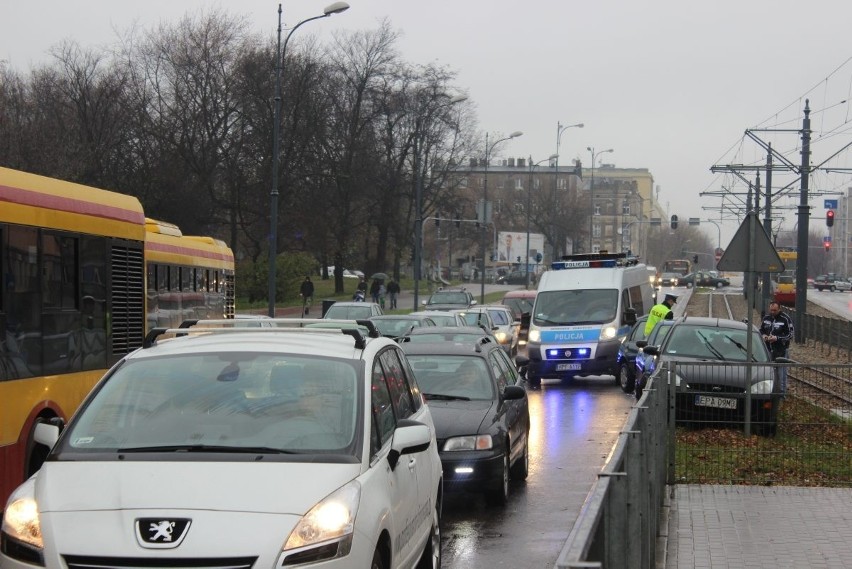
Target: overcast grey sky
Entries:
(670, 85)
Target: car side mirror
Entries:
(653, 350)
(641, 343)
(511, 392)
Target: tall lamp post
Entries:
(488, 150)
(592, 190)
(529, 209)
(280, 51)
(418, 197)
(559, 130)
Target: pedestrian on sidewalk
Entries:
(393, 291)
(306, 291)
(374, 290)
(382, 292)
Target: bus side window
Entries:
(625, 304)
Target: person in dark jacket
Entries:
(777, 331)
(393, 290)
(374, 290)
(307, 293)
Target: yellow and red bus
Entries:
(188, 276)
(75, 266)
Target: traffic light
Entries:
(829, 218)
(674, 222)
(695, 259)
(437, 222)
(827, 245)
(519, 258)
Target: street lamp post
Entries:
(592, 190)
(488, 150)
(529, 209)
(418, 198)
(280, 51)
(559, 130)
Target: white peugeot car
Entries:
(241, 448)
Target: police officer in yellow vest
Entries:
(662, 311)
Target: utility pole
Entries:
(804, 219)
(767, 225)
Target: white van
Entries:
(585, 305)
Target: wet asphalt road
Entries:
(573, 428)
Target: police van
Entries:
(584, 307)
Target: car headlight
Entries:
(534, 334)
(470, 442)
(608, 332)
(331, 519)
(762, 387)
(21, 520)
(501, 337)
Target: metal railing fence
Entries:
(618, 523)
(833, 335)
(697, 433)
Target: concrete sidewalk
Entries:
(758, 527)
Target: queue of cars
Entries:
(154, 463)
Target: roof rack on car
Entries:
(348, 327)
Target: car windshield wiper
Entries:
(712, 349)
(445, 397)
(742, 348)
(207, 448)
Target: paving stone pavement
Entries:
(759, 527)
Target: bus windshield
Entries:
(572, 307)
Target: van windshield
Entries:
(570, 307)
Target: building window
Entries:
(562, 184)
(596, 230)
(537, 184)
(597, 209)
(463, 182)
(519, 184)
(625, 209)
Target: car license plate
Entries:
(718, 402)
(567, 367)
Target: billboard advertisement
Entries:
(512, 246)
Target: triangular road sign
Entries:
(736, 256)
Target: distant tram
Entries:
(788, 255)
(679, 266)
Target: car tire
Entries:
(831, 288)
(498, 495)
(431, 556)
(378, 561)
(639, 386)
(626, 382)
(719, 285)
(521, 469)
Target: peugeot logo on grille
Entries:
(567, 353)
(160, 533)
